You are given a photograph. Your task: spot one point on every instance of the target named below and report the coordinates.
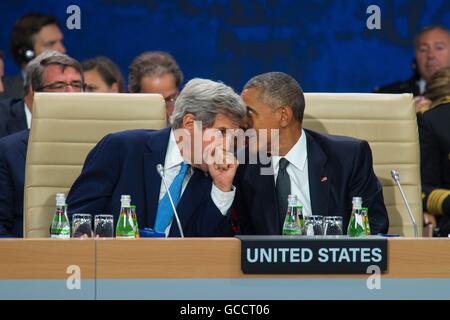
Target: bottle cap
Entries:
(60, 199)
(125, 200)
(357, 202)
(292, 200)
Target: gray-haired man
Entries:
(49, 72)
(125, 163)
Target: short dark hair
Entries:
(35, 69)
(107, 69)
(279, 89)
(24, 30)
(153, 63)
(428, 29)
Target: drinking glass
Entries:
(104, 226)
(81, 225)
(314, 225)
(333, 226)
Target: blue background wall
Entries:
(324, 44)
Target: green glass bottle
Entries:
(356, 226)
(365, 212)
(60, 227)
(291, 222)
(133, 214)
(125, 225)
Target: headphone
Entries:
(27, 53)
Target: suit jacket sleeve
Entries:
(93, 188)
(365, 184)
(7, 196)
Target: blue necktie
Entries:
(165, 212)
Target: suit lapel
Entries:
(319, 177)
(155, 154)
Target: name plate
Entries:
(312, 255)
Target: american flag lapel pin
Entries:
(324, 179)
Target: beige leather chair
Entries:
(64, 129)
(388, 123)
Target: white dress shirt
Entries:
(298, 172)
(172, 166)
(27, 115)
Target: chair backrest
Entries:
(388, 122)
(64, 128)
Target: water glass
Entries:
(314, 225)
(333, 226)
(81, 225)
(104, 226)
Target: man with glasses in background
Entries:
(49, 72)
(156, 72)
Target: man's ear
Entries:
(115, 87)
(286, 115)
(188, 121)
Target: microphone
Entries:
(160, 169)
(396, 178)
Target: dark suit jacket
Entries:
(12, 116)
(13, 87)
(346, 163)
(405, 86)
(125, 163)
(13, 150)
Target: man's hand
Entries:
(223, 169)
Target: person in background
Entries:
(2, 72)
(101, 74)
(434, 134)
(432, 53)
(48, 72)
(32, 34)
(156, 72)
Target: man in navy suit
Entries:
(125, 163)
(324, 171)
(49, 72)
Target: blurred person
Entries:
(101, 74)
(125, 163)
(432, 52)
(156, 72)
(32, 34)
(48, 72)
(434, 134)
(324, 171)
(2, 72)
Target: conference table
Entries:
(204, 269)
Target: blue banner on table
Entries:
(312, 255)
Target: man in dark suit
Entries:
(432, 53)
(49, 72)
(125, 163)
(324, 171)
(13, 151)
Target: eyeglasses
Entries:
(61, 86)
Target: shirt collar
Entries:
(297, 156)
(173, 154)
(27, 115)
